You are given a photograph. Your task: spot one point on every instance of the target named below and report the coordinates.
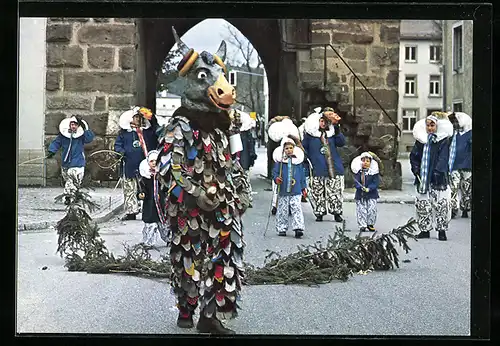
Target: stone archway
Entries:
(155, 40)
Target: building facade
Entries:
(420, 75)
(457, 53)
(31, 120)
(167, 103)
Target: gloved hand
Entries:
(141, 195)
(81, 123)
(50, 154)
(278, 181)
(415, 171)
(365, 189)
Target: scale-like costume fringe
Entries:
(207, 247)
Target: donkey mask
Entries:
(207, 89)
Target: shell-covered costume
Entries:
(207, 196)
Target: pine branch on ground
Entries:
(342, 256)
(337, 260)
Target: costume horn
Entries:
(183, 48)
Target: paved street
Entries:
(429, 295)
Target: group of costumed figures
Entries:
(194, 181)
(308, 164)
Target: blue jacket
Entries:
(438, 165)
(371, 182)
(72, 148)
(463, 153)
(312, 146)
(297, 174)
(134, 155)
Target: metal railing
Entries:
(325, 81)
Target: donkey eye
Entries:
(202, 75)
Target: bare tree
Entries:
(251, 97)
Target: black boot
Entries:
(338, 218)
(274, 210)
(371, 228)
(298, 233)
(454, 213)
(212, 326)
(282, 234)
(442, 235)
(423, 235)
(128, 217)
(185, 322)
(319, 218)
(465, 214)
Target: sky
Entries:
(198, 39)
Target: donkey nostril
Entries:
(220, 92)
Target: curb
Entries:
(45, 225)
(109, 215)
(385, 201)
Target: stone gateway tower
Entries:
(99, 67)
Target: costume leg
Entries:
(222, 281)
(454, 184)
(187, 254)
(334, 194)
(424, 212)
(130, 196)
(275, 194)
(465, 190)
(361, 211)
(250, 196)
(371, 217)
(149, 234)
(282, 214)
(164, 231)
(74, 178)
(297, 218)
(441, 206)
(67, 180)
(317, 195)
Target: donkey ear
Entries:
(221, 52)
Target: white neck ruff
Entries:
(311, 126)
(356, 166)
(297, 159)
(444, 130)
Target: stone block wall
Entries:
(91, 66)
(31, 171)
(371, 49)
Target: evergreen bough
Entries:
(80, 244)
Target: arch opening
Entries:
(156, 40)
